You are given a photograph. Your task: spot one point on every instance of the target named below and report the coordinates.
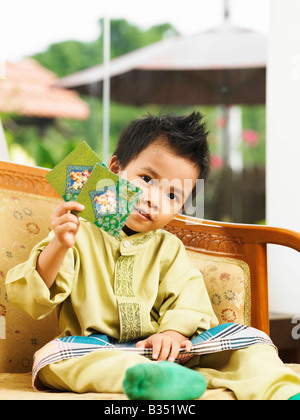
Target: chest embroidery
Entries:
(129, 307)
(124, 276)
(130, 316)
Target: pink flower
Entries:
(221, 122)
(251, 137)
(217, 162)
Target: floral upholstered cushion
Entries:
(228, 283)
(25, 221)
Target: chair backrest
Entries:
(244, 243)
(231, 257)
(26, 203)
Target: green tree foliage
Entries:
(126, 37)
(48, 144)
(68, 57)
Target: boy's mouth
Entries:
(144, 215)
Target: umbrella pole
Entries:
(226, 10)
(3, 145)
(106, 89)
(227, 172)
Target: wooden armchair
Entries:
(244, 242)
(232, 258)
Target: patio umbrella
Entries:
(225, 65)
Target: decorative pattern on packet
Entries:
(108, 199)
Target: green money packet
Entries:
(108, 198)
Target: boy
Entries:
(141, 286)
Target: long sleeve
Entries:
(27, 290)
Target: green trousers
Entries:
(254, 373)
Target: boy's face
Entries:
(166, 179)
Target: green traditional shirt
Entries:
(127, 288)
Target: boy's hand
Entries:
(165, 346)
(66, 224)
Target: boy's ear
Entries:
(114, 165)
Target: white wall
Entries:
(283, 151)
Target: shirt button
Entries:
(126, 244)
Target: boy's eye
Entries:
(147, 179)
(172, 196)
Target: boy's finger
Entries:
(187, 345)
(174, 352)
(65, 228)
(65, 218)
(156, 349)
(68, 206)
(141, 344)
(165, 350)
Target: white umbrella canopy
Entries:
(224, 47)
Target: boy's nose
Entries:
(151, 200)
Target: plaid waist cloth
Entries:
(221, 338)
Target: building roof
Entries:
(28, 89)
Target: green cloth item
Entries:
(163, 381)
(295, 398)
